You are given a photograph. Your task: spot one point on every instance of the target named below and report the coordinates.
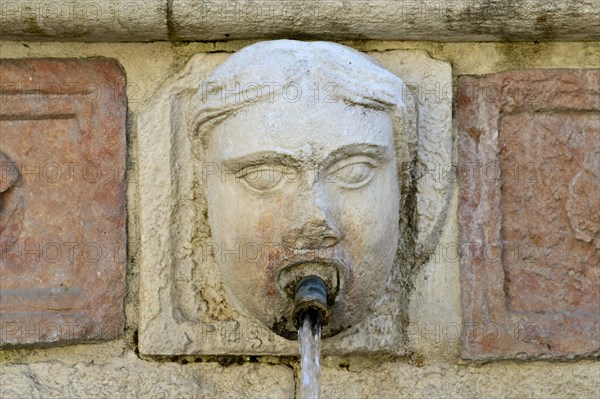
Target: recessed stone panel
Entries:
(185, 304)
(529, 213)
(62, 201)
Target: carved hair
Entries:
(263, 71)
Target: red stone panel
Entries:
(529, 213)
(62, 201)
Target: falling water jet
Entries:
(310, 314)
(309, 340)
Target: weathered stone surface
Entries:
(212, 20)
(492, 380)
(84, 20)
(130, 377)
(62, 200)
(149, 64)
(529, 213)
(184, 307)
(477, 20)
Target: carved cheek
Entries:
(265, 226)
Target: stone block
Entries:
(477, 20)
(529, 213)
(218, 20)
(128, 376)
(62, 201)
(84, 20)
(491, 380)
(184, 306)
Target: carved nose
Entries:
(314, 234)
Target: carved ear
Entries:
(434, 147)
(435, 175)
(431, 145)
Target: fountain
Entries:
(299, 177)
(305, 173)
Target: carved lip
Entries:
(329, 270)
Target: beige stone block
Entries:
(84, 20)
(216, 20)
(130, 377)
(493, 380)
(480, 20)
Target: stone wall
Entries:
(432, 366)
(174, 20)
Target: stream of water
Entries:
(309, 339)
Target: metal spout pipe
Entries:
(311, 296)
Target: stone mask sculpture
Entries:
(301, 170)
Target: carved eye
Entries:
(261, 177)
(354, 172)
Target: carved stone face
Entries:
(303, 188)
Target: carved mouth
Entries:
(331, 272)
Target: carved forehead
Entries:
(301, 128)
(289, 69)
(359, 82)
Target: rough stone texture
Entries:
(84, 20)
(136, 20)
(435, 306)
(529, 213)
(478, 20)
(191, 313)
(429, 80)
(435, 322)
(130, 377)
(493, 380)
(62, 193)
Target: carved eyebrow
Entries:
(373, 150)
(260, 158)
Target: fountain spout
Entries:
(311, 299)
